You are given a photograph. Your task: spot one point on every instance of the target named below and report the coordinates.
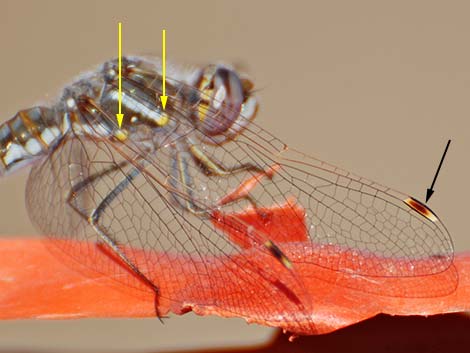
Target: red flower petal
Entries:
(35, 284)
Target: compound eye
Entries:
(225, 104)
(221, 100)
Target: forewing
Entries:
(378, 231)
(355, 226)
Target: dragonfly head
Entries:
(226, 104)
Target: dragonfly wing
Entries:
(184, 255)
(379, 232)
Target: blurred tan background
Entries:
(375, 87)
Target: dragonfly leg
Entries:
(211, 166)
(95, 215)
(181, 179)
(216, 168)
(90, 179)
(181, 176)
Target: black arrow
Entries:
(430, 191)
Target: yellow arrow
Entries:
(163, 97)
(119, 115)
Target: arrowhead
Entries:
(164, 100)
(119, 118)
(429, 193)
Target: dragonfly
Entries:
(163, 181)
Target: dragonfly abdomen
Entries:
(29, 135)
